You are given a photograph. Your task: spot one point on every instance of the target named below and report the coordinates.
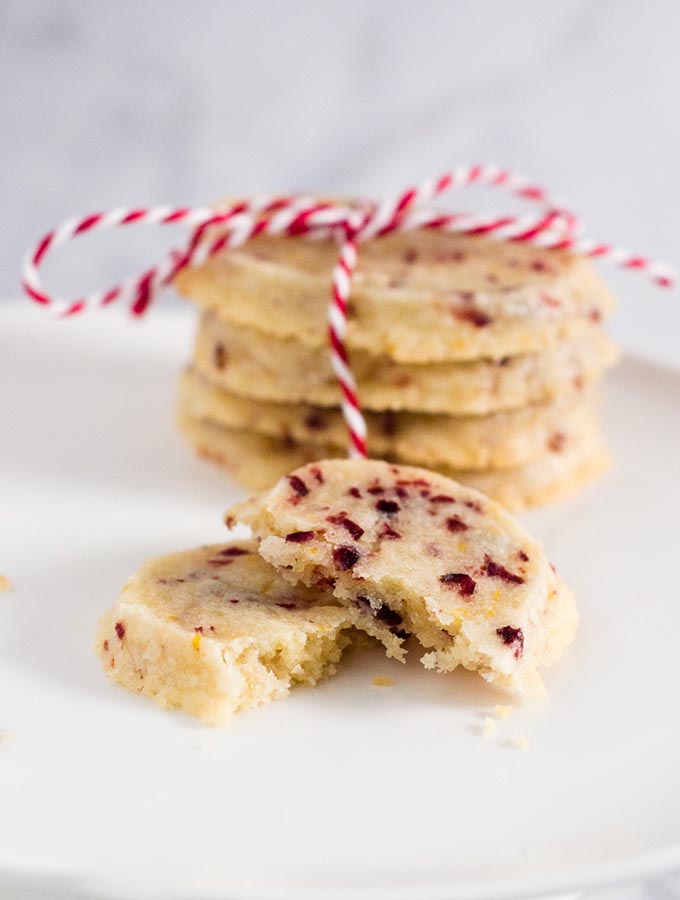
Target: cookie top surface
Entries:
(463, 575)
(227, 592)
(425, 261)
(417, 297)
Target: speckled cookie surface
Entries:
(215, 629)
(248, 362)
(412, 548)
(419, 297)
(500, 440)
(258, 461)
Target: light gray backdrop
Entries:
(107, 103)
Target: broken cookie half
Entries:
(216, 629)
(409, 551)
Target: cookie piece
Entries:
(258, 461)
(418, 297)
(253, 364)
(500, 440)
(216, 629)
(416, 549)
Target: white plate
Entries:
(346, 790)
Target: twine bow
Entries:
(232, 225)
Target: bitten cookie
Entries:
(216, 629)
(410, 548)
(248, 362)
(417, 297)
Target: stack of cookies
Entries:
(473, 357)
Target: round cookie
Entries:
(250, 363)
(258, 461)
(216, 629)
(500, 440)
(417, 297)
(414, 549)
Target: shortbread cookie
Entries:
(215, 630)
(501, 440)
(248, 362)
(410, 547)
(419, 297)
(258, 461)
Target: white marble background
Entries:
(143, 102)
(171, 101)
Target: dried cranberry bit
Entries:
(390, 507)
(388, 423)
(557, 442)
(413, 482)
(341, 519)
(212, 627)
(219, 356)
(465, 585)
(453, 256)
(474, 505)
(220, 562)
(315, 421)
(120, 630)
(456, 524)
(376, 489)
(318, 474)
(354, 492)
(401, 379)
(199, 629)
(442, 498)
(523, 556)
(387, 532)
(233, 600)
(233, 551)
(474, 316)
(401, 492)
(512, 637)
(299, 537)
(298, 485)
(382, 612)
(496, 570)
(345, 557)
(286, 605)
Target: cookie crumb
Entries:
(502, 712)
(521, 742)
(5, 583)
(490, 727)
(383, 681)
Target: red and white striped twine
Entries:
(213, 230)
